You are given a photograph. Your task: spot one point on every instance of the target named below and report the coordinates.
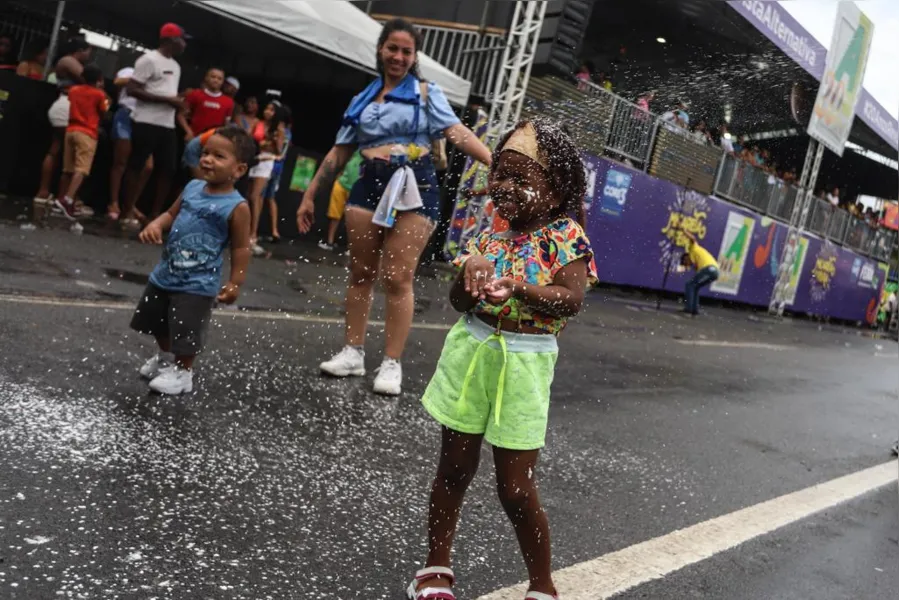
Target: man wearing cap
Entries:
(231, 87)
(154, 85)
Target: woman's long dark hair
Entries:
(277, 119)
(566, 171)
(392, 26)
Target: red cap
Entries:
(172, 30)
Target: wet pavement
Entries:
(272, 482)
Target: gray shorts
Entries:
(181, 318)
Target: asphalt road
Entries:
(271, 482)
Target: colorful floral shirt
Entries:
(532, 258)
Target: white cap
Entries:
(232, 81)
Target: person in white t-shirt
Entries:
(834, 197)
(154, 86)
(727, 144)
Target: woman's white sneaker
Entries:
(173, 382)
(349, 362)
(154, 367)
(389, 381)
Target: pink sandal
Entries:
(430, 593)
(540, 596)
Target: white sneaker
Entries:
(389, 381)
(326, 246)
(349, 361)
(173, 382)
(154, 367)
(43, 201)
(256, 249)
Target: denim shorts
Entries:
(121, 124)
(274, 182)
(375, 174)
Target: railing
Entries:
(629, 130)
(740, 182)
(607, 125)
(465, 50)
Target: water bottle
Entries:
(398, 155)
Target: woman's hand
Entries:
(478, 273)
(306, 215)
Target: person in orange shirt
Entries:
(88, 105)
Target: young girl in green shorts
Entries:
(516, 289)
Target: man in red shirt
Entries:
(88, 104)
(207, 108)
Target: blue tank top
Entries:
(192, 258)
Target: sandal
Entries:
(540, 596)
(429, 593)
(130, 224)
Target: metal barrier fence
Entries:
(630, 129)
(740, 182)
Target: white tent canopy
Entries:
(333, 28)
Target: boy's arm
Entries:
(239, 225)
(152, 233)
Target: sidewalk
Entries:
(106, 264)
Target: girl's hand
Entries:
(478, 274)
(152, 234)
(500, 290)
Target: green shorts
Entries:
(495, 385)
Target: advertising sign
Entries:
(841, 83)
(733, 253)
(779, 26)
(614, 192)
(303, 172)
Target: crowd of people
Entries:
(143, 122)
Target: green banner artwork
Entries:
(303, 172)
(733, 253)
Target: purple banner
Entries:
(780, 27)
(637, 225)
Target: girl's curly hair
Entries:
(566, 171)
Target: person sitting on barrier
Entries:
(697, 257)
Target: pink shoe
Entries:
(430, 593)
(540, 596)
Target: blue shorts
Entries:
(121, 124)
(192, 153)
(274, 182)
(373, 178)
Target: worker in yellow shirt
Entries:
(697, 257)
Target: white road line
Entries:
(261, 315)
(722, 344)
(619, 571)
